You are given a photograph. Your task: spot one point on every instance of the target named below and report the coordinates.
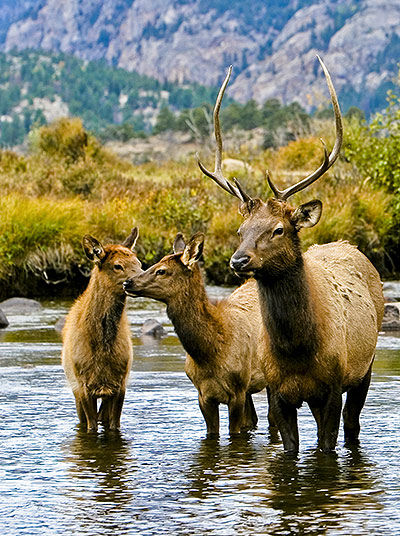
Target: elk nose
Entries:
(126, 285)
(239, 262)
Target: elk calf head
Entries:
(115, 263)
(172, 274)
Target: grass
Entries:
(68, 186)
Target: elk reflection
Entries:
(105, 458)
(284, 494)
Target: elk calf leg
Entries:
(116, 409)
(210, 410)
(236, 413)
(355, 400)
(80, 410)
(330, 419)
(285, 417)
(250, 415)
(89, 404)
(104, 412)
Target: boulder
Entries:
(391, 318)
(58, 326)
(20, 306)
(3, 320)
(152, 328)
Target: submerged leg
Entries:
(89, 404)
(285, 417)
(236, 413)
(250, 415)
(272, 427)
(104, 412)
(355, 400)
(330, 419)
(210, 410)
(80, 410)
(117, 402)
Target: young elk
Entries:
(222, 340)
(97, 347)
(322, 309)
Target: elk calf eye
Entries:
(278, 231)
(118, 267)
(161, 271)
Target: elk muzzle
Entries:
(241, 262)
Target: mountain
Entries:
(272, 44)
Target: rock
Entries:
(391, 318)
(58, 326)
(20, 306)
(3, 320)
(153, 328)
(391, 291)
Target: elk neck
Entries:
(196, 320)
(104, 309)
(289, 315)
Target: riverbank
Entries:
(68, 185)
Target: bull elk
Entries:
(222, 340)
(97, 347)
(322, 309)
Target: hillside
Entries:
(38, 87)
(271, 44)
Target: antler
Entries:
(328, 159)
(236, 189)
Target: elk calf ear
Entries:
(93, 249)
(130, 242)
(307, 214)
(193, 250)
(179, 243)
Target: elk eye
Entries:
(118, 267)
(277, 231)
(161, 271)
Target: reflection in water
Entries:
(101, 470)
(282, 494)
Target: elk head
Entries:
(172, 275)
(116, 263)
(269, 234)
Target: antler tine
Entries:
(330, 159)
(218, 176)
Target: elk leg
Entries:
(251, 419)
(210, 410)
(330, 419)
(104, 412)
(89, 404)
(285, 417)
(355, 400)
(272, 427)
(117, 402)
(80, 410)
(236, 413)
(316, 411)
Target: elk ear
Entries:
(179, 243)
(130, 242)
(307, 214)
(93, 249)
(193, 250)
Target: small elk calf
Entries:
(97, 347)
(223, 341)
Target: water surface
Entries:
(160, 475)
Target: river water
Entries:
(160, 475)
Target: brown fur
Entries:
(223, 340)
(322, 312)
(97, 348)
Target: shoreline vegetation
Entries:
(68, 185)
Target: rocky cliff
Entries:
(271, 44)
